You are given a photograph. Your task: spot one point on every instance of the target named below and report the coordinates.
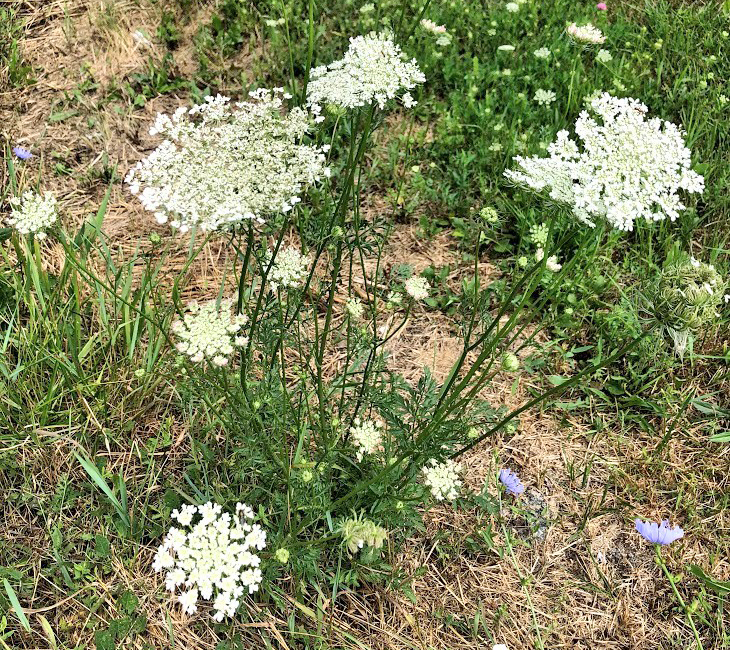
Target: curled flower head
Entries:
(373, 70)
(32, 213)
(511, 482)
(626, 167)
(443, 479)
(417, 287)
(22, 153)
(659, 533)
(358, 532)
(213, 559)
(210, 332)
(222, 164)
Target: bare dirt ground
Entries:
(586, 579)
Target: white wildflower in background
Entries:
(604, 56)
(432, 27)
(210, 332)
(443, 479)
(544, 97)
(355, 308)
(367, 436)
(367, 8)
(627, 167)
(222, 164)
(506, 48)
(289, 269)
(542, 53)
(444, 40)
(551, 264)
(512, 7)
(374, 69)
(32, 213)
(586, 34)
(213, 559)
(417, 287)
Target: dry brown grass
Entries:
(589, 587)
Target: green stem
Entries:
(678, 596)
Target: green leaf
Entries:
(16, 606)
(97, 478)
(721, 437)
(722, 588)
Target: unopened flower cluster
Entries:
(33, 213)
(289, 269)
(367, 436)
(358, 532)
(443, 479)
(210, 331)
(687, 295)
(586, 34)
(374, 69)
(221, 164)
(213, 559)
(417, 287)
(626, 168)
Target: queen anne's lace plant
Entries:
(210, 331)
(417, 287)
(626, 168)
(586, 34)
(367, 436)
(289, 269)
(224, 163)
(33, 213)
(213, 559)
(443, 479)
(355, 308)
(374, 69)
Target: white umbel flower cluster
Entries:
(213, 559)
(627, 167)
(33, 213)
(374, 69)
(417, 287)
(210, 331)
(586, 34)
(221, 164)
(443, 479)
(367, 436)
(289, 269)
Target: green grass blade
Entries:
(97, 478)
(16, 605)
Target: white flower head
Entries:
(289, 269)
(209, 332)
(586, 34)
(221, 165)
(32, 213)
(417, 287)
(542, 53)
(367, 436)
(355, 308)
(443, 479)
(212, 559)
(373, 70)
(626, 167)
(603, 56)
(512, 7)
(432, 27)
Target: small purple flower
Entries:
(658, 533)
(511, 481)
(22, 152)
